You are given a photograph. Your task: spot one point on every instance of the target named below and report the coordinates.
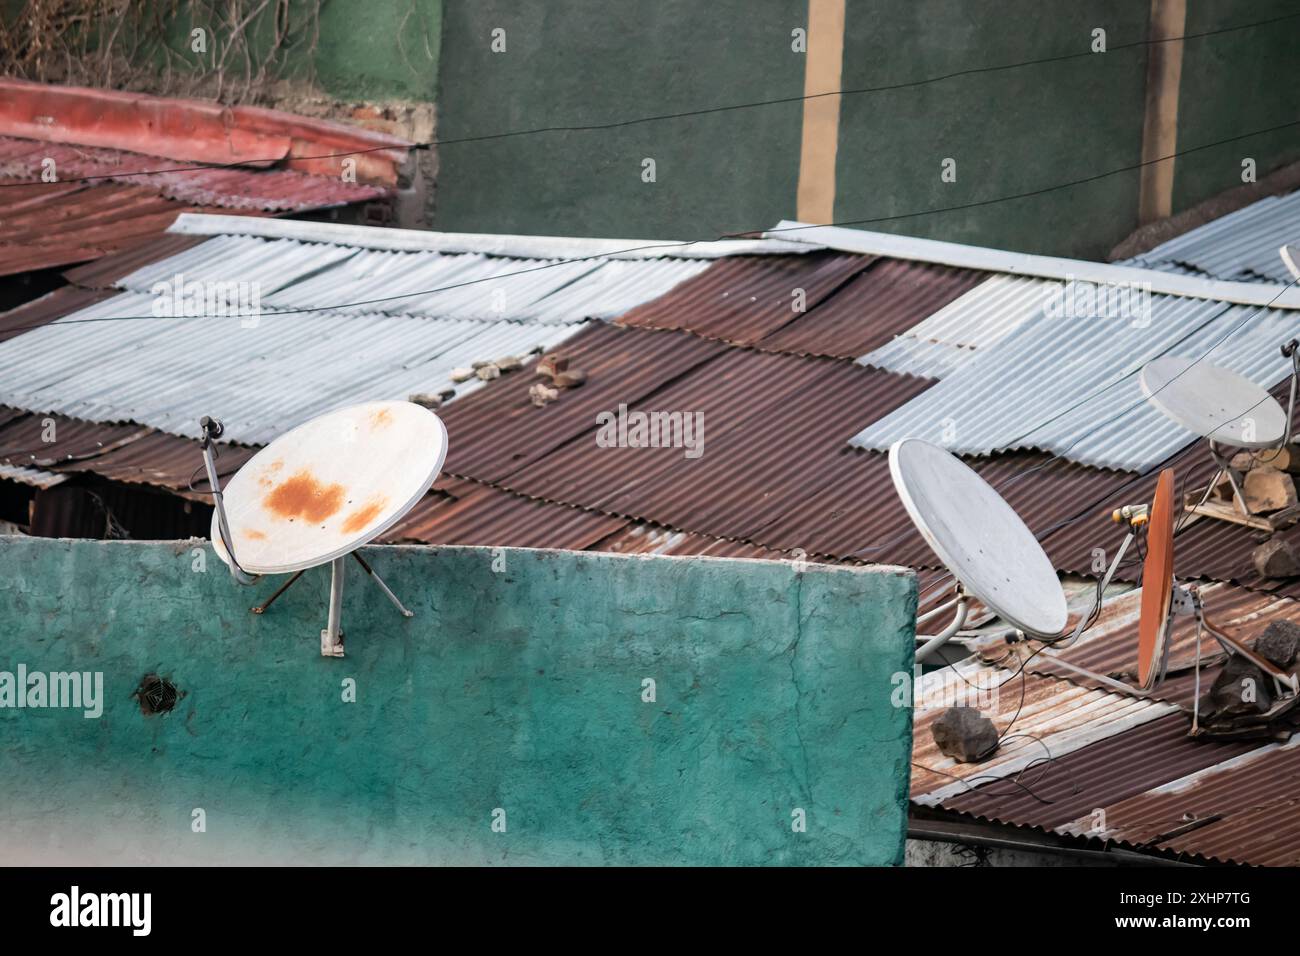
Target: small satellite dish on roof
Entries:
(1224, 408)
(978, 537)
(990, 551)
(322, 490)
(1163, 597)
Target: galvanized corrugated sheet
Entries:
(1070, 386)
(744, 299)
(1038, 715)
(260, 381)
(978, 319)
(886, 299)
(1241, 246)
(48, 308)
(293, 274)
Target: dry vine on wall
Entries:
(240, 50)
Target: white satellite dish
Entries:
(322, 490)
(979, 538)
(1291, 259)
(1214, 402)
(1222, 407)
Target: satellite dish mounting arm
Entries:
(212, 430)
(932, 644)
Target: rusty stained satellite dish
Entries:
(331, 485)
(1157, 583)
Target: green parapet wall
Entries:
(506, 723)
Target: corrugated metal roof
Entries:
(464, 512)
(1242, 245)
(978, 319)
(260, 381)
(772, 432)
(1038, 715)
(884, 300)
(238, 188)
(1071, 387)
(500, 431)
(744, 299)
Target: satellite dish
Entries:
(1214, 402)
(978, 537)
(1291, 259)
(1157, 584)
(330, 486)
(322, 490)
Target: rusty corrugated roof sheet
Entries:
(744, 299)
(126, 167)
(886, 299)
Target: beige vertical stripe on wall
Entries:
(1160, 125)
(821, 116)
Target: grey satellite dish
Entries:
(979, 538)
(322, 490)
(1222, 407)
(1214, 402)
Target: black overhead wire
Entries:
(686, 114)
(551, 264)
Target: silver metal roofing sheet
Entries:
(260, 381)
(979, 318)
(1241, 246)
(1069, 386)
(291, 274)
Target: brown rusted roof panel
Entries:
(773, 430)
(885, 300)
(1100, 775)
(482, 515)
(740, 300)
(102, 273)
(497, 430)
(48, 308)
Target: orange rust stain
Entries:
(363, 516)
(302, 496)
(265, 479)
(381, 418)
(252, 534)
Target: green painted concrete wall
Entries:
(1011, 131)
(519, 689)
(581, 62)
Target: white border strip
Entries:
(515, 247)
(1044, 267)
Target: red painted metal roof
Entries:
(126, 167)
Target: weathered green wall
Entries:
(518, 690)
(1234, 83)
(1011, 131)
(581, 62)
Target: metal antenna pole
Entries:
(212, 430)
(382, 586)
(331, 639)
(1292, 351)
